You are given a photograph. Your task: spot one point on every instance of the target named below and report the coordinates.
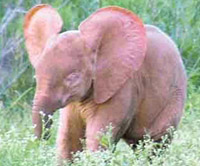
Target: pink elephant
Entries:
(113, 69)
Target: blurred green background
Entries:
(180, 19)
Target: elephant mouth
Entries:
(88, 94)
(67, 100)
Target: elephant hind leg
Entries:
(169, 117)
(71, 131)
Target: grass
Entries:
(18, 146)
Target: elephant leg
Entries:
(70, 133)
(105, 115)
(94, 127)
(168, 117)
(118, 111)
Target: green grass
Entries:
(18, 146)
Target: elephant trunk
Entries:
(40, 115)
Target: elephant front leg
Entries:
(116, 114)
(118, 111)
(94, 133)
(70, 133)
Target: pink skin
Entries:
(93, 75)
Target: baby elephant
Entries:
(113, 69)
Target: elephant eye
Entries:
(73, 79)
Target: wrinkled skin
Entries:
(68, 72)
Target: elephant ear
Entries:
(41, 22)
(117, 39)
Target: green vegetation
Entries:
(180, 19)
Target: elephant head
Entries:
(101, 55)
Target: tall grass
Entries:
(17, 145)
